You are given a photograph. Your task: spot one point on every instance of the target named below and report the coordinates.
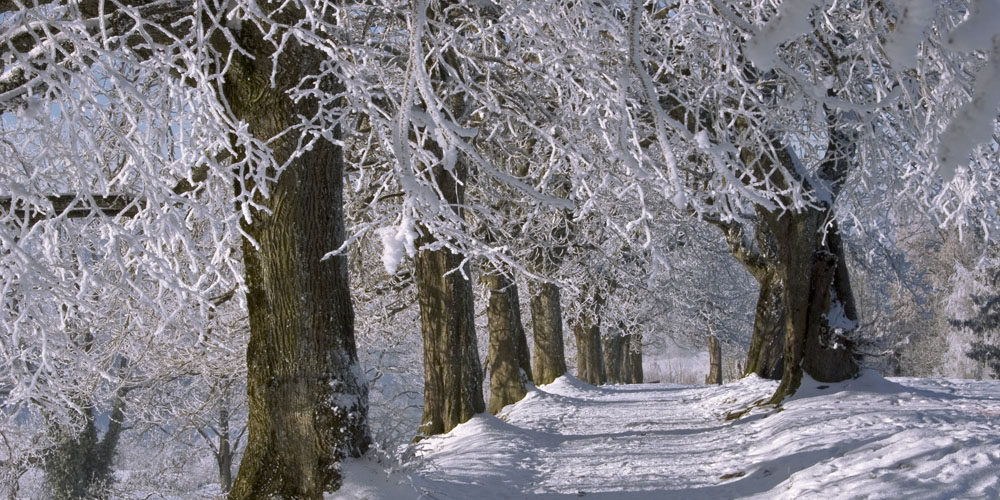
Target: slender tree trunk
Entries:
(224, 453)
(635, 359)
(307, 406)
(546, 321)
(625, 365)
(714, 361)
(506, 377)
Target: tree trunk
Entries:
(714, 361)
(625, 363)
(614, 354)
(307, 406)
(788, 245)
(520, 337)
(224, 453)
(808, 267)
(759, 255)
(504, 318)
(546, 321)
(635, 359)
(453, 376)
(766, 352)
(589, 354)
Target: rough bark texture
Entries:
(787, 255)
(635, 359)
(589, 353)
(765, 356)
(224, 455)
(507, 381)
(614, 349)
(453, 376)
(307, 405)
(808, 269)
(546, 321)
(520, 337)
(714, 361)
(625, 366)
(623, 358)
(758, 254)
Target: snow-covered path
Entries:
(867, 438)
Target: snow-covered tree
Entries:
(146, 119)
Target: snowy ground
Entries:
(868, 438)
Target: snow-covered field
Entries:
(868, 438)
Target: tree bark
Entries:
(808, 268)
(589, 354)
(625, 363)
(765, 356)
(453, 376)
(714, 361)
(520, 337)
(307, 405)
(758, 254)
(635, 359)
(507, 379)
(614, 352)
(546, 321)
(224, 454)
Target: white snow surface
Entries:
(868, 438)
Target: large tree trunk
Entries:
(453, 376)
(614, 349)
(589, 354)
(765, 356)
(546, 321)
(520, 337)
(307, 406)
(507, 379)
(759, 255)
(797, 298)
(808, 267)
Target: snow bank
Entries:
(865, 438)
